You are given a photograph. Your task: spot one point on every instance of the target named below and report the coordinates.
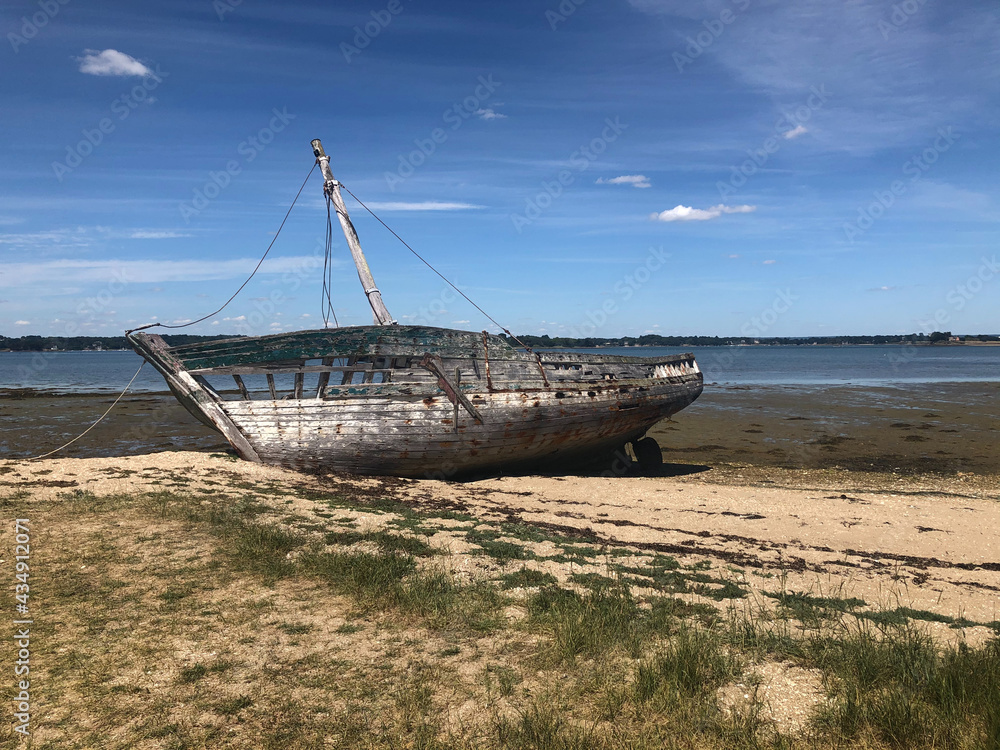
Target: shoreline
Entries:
(928, 428)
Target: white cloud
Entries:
(460, 322)
(490, 114)
(111, 62)
(22, 322)
(635, 180)
(770, 262)
(144, 234)
(686, 213)
(733, 255)
(796, 132)
(423, 206)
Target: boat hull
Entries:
(419, 437)
(419, 402)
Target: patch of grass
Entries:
(176, 594)
(593, 581)
(295, 628)
(728, 590)
(900, 688)
(192, 674)
(385, 541)
(541, 726)
(349, 627)
(808, 608)
(693, 662)
(526, 578)
(506, 678)
(601, 621)
(501, 551)
(234, 706)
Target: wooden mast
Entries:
(332, 188)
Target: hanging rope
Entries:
(256, 268)
(326, 304)
(46, 455)
(422, 260)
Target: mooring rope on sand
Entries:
(46, 455)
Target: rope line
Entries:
(256, 268)
(326, 304)
(46, 455)
(443, 277)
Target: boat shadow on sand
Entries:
(587, 469)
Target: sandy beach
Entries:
(171, 586)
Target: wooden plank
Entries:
(243, 389)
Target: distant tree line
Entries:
(84, 343)
(543, 342)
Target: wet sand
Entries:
(945, 428)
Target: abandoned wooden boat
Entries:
(418, 401)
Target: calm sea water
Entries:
(108, 372)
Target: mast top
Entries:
(331, 188)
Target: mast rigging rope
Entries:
(256, 268)
(446, 280)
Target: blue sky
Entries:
(595, 167)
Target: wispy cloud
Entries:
(422, 206)
(635, 180)
(490, 114)
(22, 322)
(111, 62)
(148, 234)
(62, 238)
(796, 132)
(886, 91)
(686, 213)
(74, 271)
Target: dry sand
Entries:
(929, 543)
